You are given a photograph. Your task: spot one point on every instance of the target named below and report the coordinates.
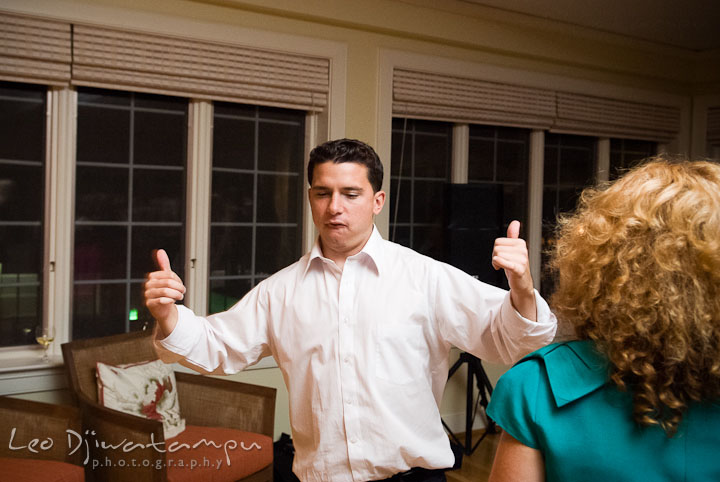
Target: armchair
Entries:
(223, 421)
(35, 444)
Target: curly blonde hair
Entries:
(638, 272)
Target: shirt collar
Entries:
(574, 369)
(372, 250)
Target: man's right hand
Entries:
(162, 289)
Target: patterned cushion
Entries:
(216, 454)
(146, 389)
(29, 470)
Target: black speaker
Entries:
(473, 219)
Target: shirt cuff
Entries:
(545, 318)
(186, 334)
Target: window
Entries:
(498, 163)
(257, 197)
(129, 200)
(625, 153)
(22, 181)
(420, 170)
(569, 167)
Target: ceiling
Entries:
(687, 24)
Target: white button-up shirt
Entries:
(364, 352)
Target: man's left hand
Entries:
(511, 254)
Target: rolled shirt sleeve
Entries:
(223, 343)
(480, 319)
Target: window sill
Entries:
(29, 374)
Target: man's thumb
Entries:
(514, 230)
(162, 260)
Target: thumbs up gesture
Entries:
(162, 289)
(511, 254)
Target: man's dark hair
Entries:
(348, 150)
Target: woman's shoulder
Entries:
(573, 369)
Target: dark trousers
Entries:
(418, 475)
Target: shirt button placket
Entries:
(347, 355)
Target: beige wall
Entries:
(446, 29)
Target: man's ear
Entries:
(378, 202)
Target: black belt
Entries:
(417, 474)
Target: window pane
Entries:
(426, 154)
(158, 195)
(275, 248)
(20, 251)
(278, 147)
(256, 215)
(22, 190)
(232, 197)
(139, 315)
(577, 167)
(101, 193)
(425, 197)
(225, 293)
(100, 252)
(432, 155)
(113, 243)
(160, 128)
(498, 166)
(512, 164)
(22, 122)
(403, 196)
(226, 256)
(481, 157)
(99, 309)
(20, 311)
(569, 168)
(230, 143)
(279, 199)
(146, 239)
(428, 240)
(401, 155)
(103, 134)
(626, 153)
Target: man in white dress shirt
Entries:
(361, 329)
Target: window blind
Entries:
(600, 116)
(436, 96)
(120, 59)
(443, 97)
(34, 50)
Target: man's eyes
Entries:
(350, 195)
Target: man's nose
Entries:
(335, 205)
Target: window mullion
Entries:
(59, 202)
(603, 159)
(309, 231)
(535, 203)
(460, 154)
(199, 178)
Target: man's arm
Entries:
(511, 254)
(221, 343)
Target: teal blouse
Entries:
(559, 400)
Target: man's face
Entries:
(343, 205)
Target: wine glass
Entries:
(45, 335)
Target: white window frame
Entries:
(20, 368)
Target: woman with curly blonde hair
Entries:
(636, 394)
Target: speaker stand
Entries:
(475, 373)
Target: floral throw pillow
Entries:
(146, 389)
